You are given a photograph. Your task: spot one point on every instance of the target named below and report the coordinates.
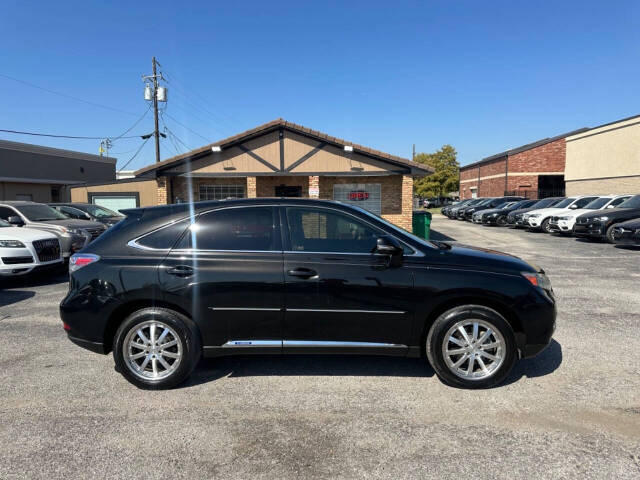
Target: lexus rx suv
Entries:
(169, 284)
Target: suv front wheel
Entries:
(471, 346)
(156, 348)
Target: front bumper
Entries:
(626, 236)
(26, 259)
(534, 222)
(591, 229)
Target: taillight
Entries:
(66, 326)
(79, 260)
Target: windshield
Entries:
(597, 203)
(486, 201)
(633, 202)
(565, 203)
(38, 212)
(4, 224)
(504, 204)
(99, 212)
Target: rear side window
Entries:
(165, 237)
(247, 229)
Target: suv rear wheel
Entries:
(156, 348)
(471, 346)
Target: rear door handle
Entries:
(181, 271)
(302, 273)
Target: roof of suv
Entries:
(17, 202)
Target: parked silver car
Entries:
(73, 234)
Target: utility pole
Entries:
(413, 154)
(155, 94)
(155, 109)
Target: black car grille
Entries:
(95, 232)
(47, 250)
(582, 220)
(17, 260)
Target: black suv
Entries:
(169, 284)
(498, 215)
(88, 211)
(516, 217)
(492, 203)
(601, 223)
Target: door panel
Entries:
(339, 296)
(228, 270)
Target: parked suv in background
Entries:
(23, 250)
(627, 233)
(492, 203)
(462, 212)
(73, 234)
(539, 219)
(498, 215)
(169, 284)
(88, 211)
(600, 224)
(452, 210)
(515, 218)
(563, 222)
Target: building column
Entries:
(251, 187)
(407, 203)
(162, 190)
(314, 186)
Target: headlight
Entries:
(534, 215)
(11, 244)
(564, 218)
(601, 219)
(72, 231)
(494, 214)
(538, 280)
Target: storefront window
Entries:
(220, 192)
(363, 195)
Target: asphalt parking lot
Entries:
(572, 412)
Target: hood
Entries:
(24, 233)
(614, 213)
(482, 259)
(492, 210)
(72, 223)
(548, 211)
(630, 224)
(521, 210)
(567, 212)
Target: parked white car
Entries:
(563, 222)
(24, 249)
(539, 219)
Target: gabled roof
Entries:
(523, 148)
(275, 125)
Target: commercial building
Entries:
(44, 174)
(535, 170)
(277, 159)
(605, 159)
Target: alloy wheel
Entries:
(501, 220)
(473, 349)
(152, 350)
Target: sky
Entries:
(483, 76)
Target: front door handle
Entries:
(182, 271)
(302, 273)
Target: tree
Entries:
(445, 177)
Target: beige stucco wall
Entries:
(604, 186)
(605, 152)
(147, 189)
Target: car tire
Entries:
(166, 361)
(501, 221)
(544, 226)
(609, 234)
(490, 365)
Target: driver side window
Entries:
(319, 230)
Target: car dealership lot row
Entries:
(571, 412)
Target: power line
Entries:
(134, 155)
(183, 125)
(62, 136)
(133, 126)
(174, 136)
(33, 85)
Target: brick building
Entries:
(535, 170)
(277, 159)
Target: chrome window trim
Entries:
(252, 343)
(416, 253)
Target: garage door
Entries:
(115, 202)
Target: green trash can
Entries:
(422, 223)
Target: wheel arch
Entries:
(495, 304)
(123, 311)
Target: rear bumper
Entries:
(96, 347)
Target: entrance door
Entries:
(340, 295)
(227, 270)
(288, 191)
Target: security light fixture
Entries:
(216, 148)
(348, 148)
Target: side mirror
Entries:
(573, 207)
(15, 220)
(611, 206)
(387, 245)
